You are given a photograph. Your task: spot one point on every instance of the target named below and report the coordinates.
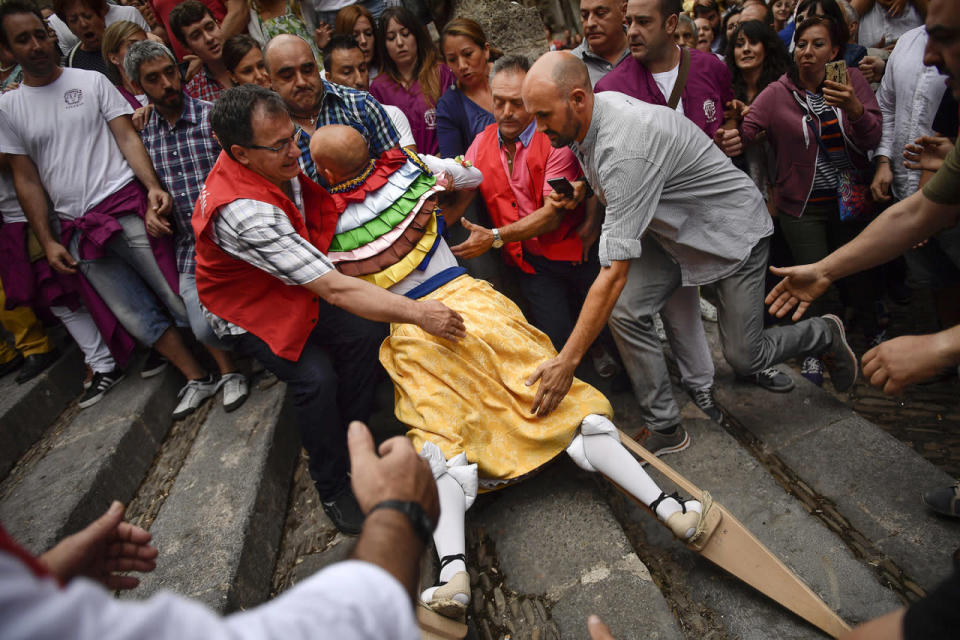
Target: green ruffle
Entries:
(390, 218)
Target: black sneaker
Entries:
(703, 398)
(771, 379)
(659, 443)
(344, 511)
(839, 358)
(101, 383)
(154, 365)
(11, 365)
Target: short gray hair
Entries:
(144, 51)
(513, 63)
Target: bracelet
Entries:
(586, 183)
(421, 524)
(883, 160)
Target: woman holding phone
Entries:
(820, 131)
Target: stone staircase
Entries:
(230, 505)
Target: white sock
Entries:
(449, 537)
(84, 331)
(606, 454)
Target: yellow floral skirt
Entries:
(470, 396)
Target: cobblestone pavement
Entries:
(926, 417)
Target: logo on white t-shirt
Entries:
(73, 98)
(710, 110)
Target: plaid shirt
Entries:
(203, 86)
(358, 109)
(183, 155)
(261, 234)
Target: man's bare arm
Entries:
(33, 200)
(236, 19)
(556, 375)
(543, 220)
(369, 301)
(131, 146)
(897, 229)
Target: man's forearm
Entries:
(236, 18)
(388, 541)
(597, 306)
(32, 198)
(893, 232)
(453, 210)
(543, 220)
(364, 299)
(131, 146)
(948, 345)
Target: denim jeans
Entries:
(198, 323)
(332, 384)
(746, 345)
(131, 284)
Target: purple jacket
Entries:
(781, 110)
(707, 91)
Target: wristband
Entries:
(586, 183)
(421, 524)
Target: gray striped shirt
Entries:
(655, 171)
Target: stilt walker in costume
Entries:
(466, 403)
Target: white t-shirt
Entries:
(115, 13)
(63, 128)
(10, 209)
(665, 82)
(401, 124)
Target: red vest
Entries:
(282, 316)
(562, 243)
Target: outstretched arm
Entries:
(897, 229)
(543, 220)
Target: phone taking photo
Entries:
(836, 71)
(562, 186)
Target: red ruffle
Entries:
(386, 165)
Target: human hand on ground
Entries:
(107, 546)
(800, 286)
(394, 472)
(555, 376)
(897, 363)
(60, 259)
(438, 319)
(477, 243)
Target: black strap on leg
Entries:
(445, 560)
(663, 496)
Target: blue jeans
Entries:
(198, 323)
(131, 283)
(332, 383)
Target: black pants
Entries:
(332, 384)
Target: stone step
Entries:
(28, 409)
(219, 529)
(871, 481)
(717, 463)
(98, 456)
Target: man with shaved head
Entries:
(314, 102)
(678, 214)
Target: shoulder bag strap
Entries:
(681, 82)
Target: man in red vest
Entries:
(546, 248)
(268, 290)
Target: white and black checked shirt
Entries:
(261, 234)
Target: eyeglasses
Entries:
(283, 146)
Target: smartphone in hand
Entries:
(562, 186)
(837, 71)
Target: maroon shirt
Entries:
(708, 88)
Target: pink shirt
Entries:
(560, 163)
(422, 116)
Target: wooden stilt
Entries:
(724, 541)
(434, 626)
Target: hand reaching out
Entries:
(477, 243)
(800, 286)
(926, 153)
(108, 546)
(555, 376)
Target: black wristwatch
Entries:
(421, 524)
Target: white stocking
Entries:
(598, 448)
(84, 331)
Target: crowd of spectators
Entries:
(820, 114)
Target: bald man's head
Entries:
(558, 93)
(294, 73)
(340, 152)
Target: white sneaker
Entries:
(192, 396)
(235, 391)
(707, 311)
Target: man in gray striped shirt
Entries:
(678, 214)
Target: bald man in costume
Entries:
(467, 403)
